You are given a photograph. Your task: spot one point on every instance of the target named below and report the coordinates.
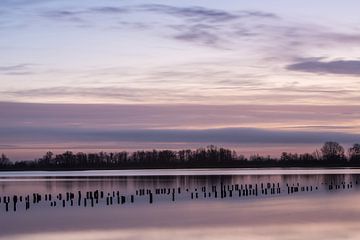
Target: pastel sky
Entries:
(133, 73)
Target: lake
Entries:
(181, 204)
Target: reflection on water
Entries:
(181, 207)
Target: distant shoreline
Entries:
(332, 155)
(249, 167)
(84, 174)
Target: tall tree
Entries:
(333, 151)
(4, 160)
(354, 152)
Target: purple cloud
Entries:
(142, 116)
(18, 69)
(199, 33)
(223, 135)
(110, 10)
(343, 67)
(191, 13)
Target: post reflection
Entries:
(32, 194)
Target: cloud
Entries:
(178, 116)
(12, 67)
(199, 33)
(109, 10)
(258, 14)
(215, 28)
(66, 15)
(10, 4)
(325, 127)
(223, 135)
(77, 13)
(198, 25)
(342, 67)
(206, 91)
(208, 27)
(18, 69)
(108, 93)
(40, 127)
(191, 13)
(202, 14)
(83, 15)
(138, 126)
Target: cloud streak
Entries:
(210, 94)
(224, 135)
(199, 33)
(108, 94)
(209, 27)
(109, 10)
(18, 69)
(198, 25)
(198, 14)
(341, 67)
(202, 14)
(9, 4)
(64, 13)
(177, 116)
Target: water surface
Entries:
(181, 204)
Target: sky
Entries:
(258, 76)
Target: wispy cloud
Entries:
(223, 135)
(202, 14)
(9, 4)
(65, 15)
(107, 94)
(109, 10)
(236, 93)
(82, 12)
(198, 25)
(199, 33)
(251, 38)
(342, 67)
(198, 14)
(18, 69)
(25, 125)
(114, 116)
(216, 28)
(208, 27)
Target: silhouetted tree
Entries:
(285, 157)
(211, 156)
(307, 157)
(4, 160)
(81, 160)
(333, 151)
(46, 160)
(354, 152)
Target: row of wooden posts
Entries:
(93, 198)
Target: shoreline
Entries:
(178, 172)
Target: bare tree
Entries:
(354, 152)
(333, 151)
(4, 160)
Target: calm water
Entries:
(181, 204)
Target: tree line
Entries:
(332, 154)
